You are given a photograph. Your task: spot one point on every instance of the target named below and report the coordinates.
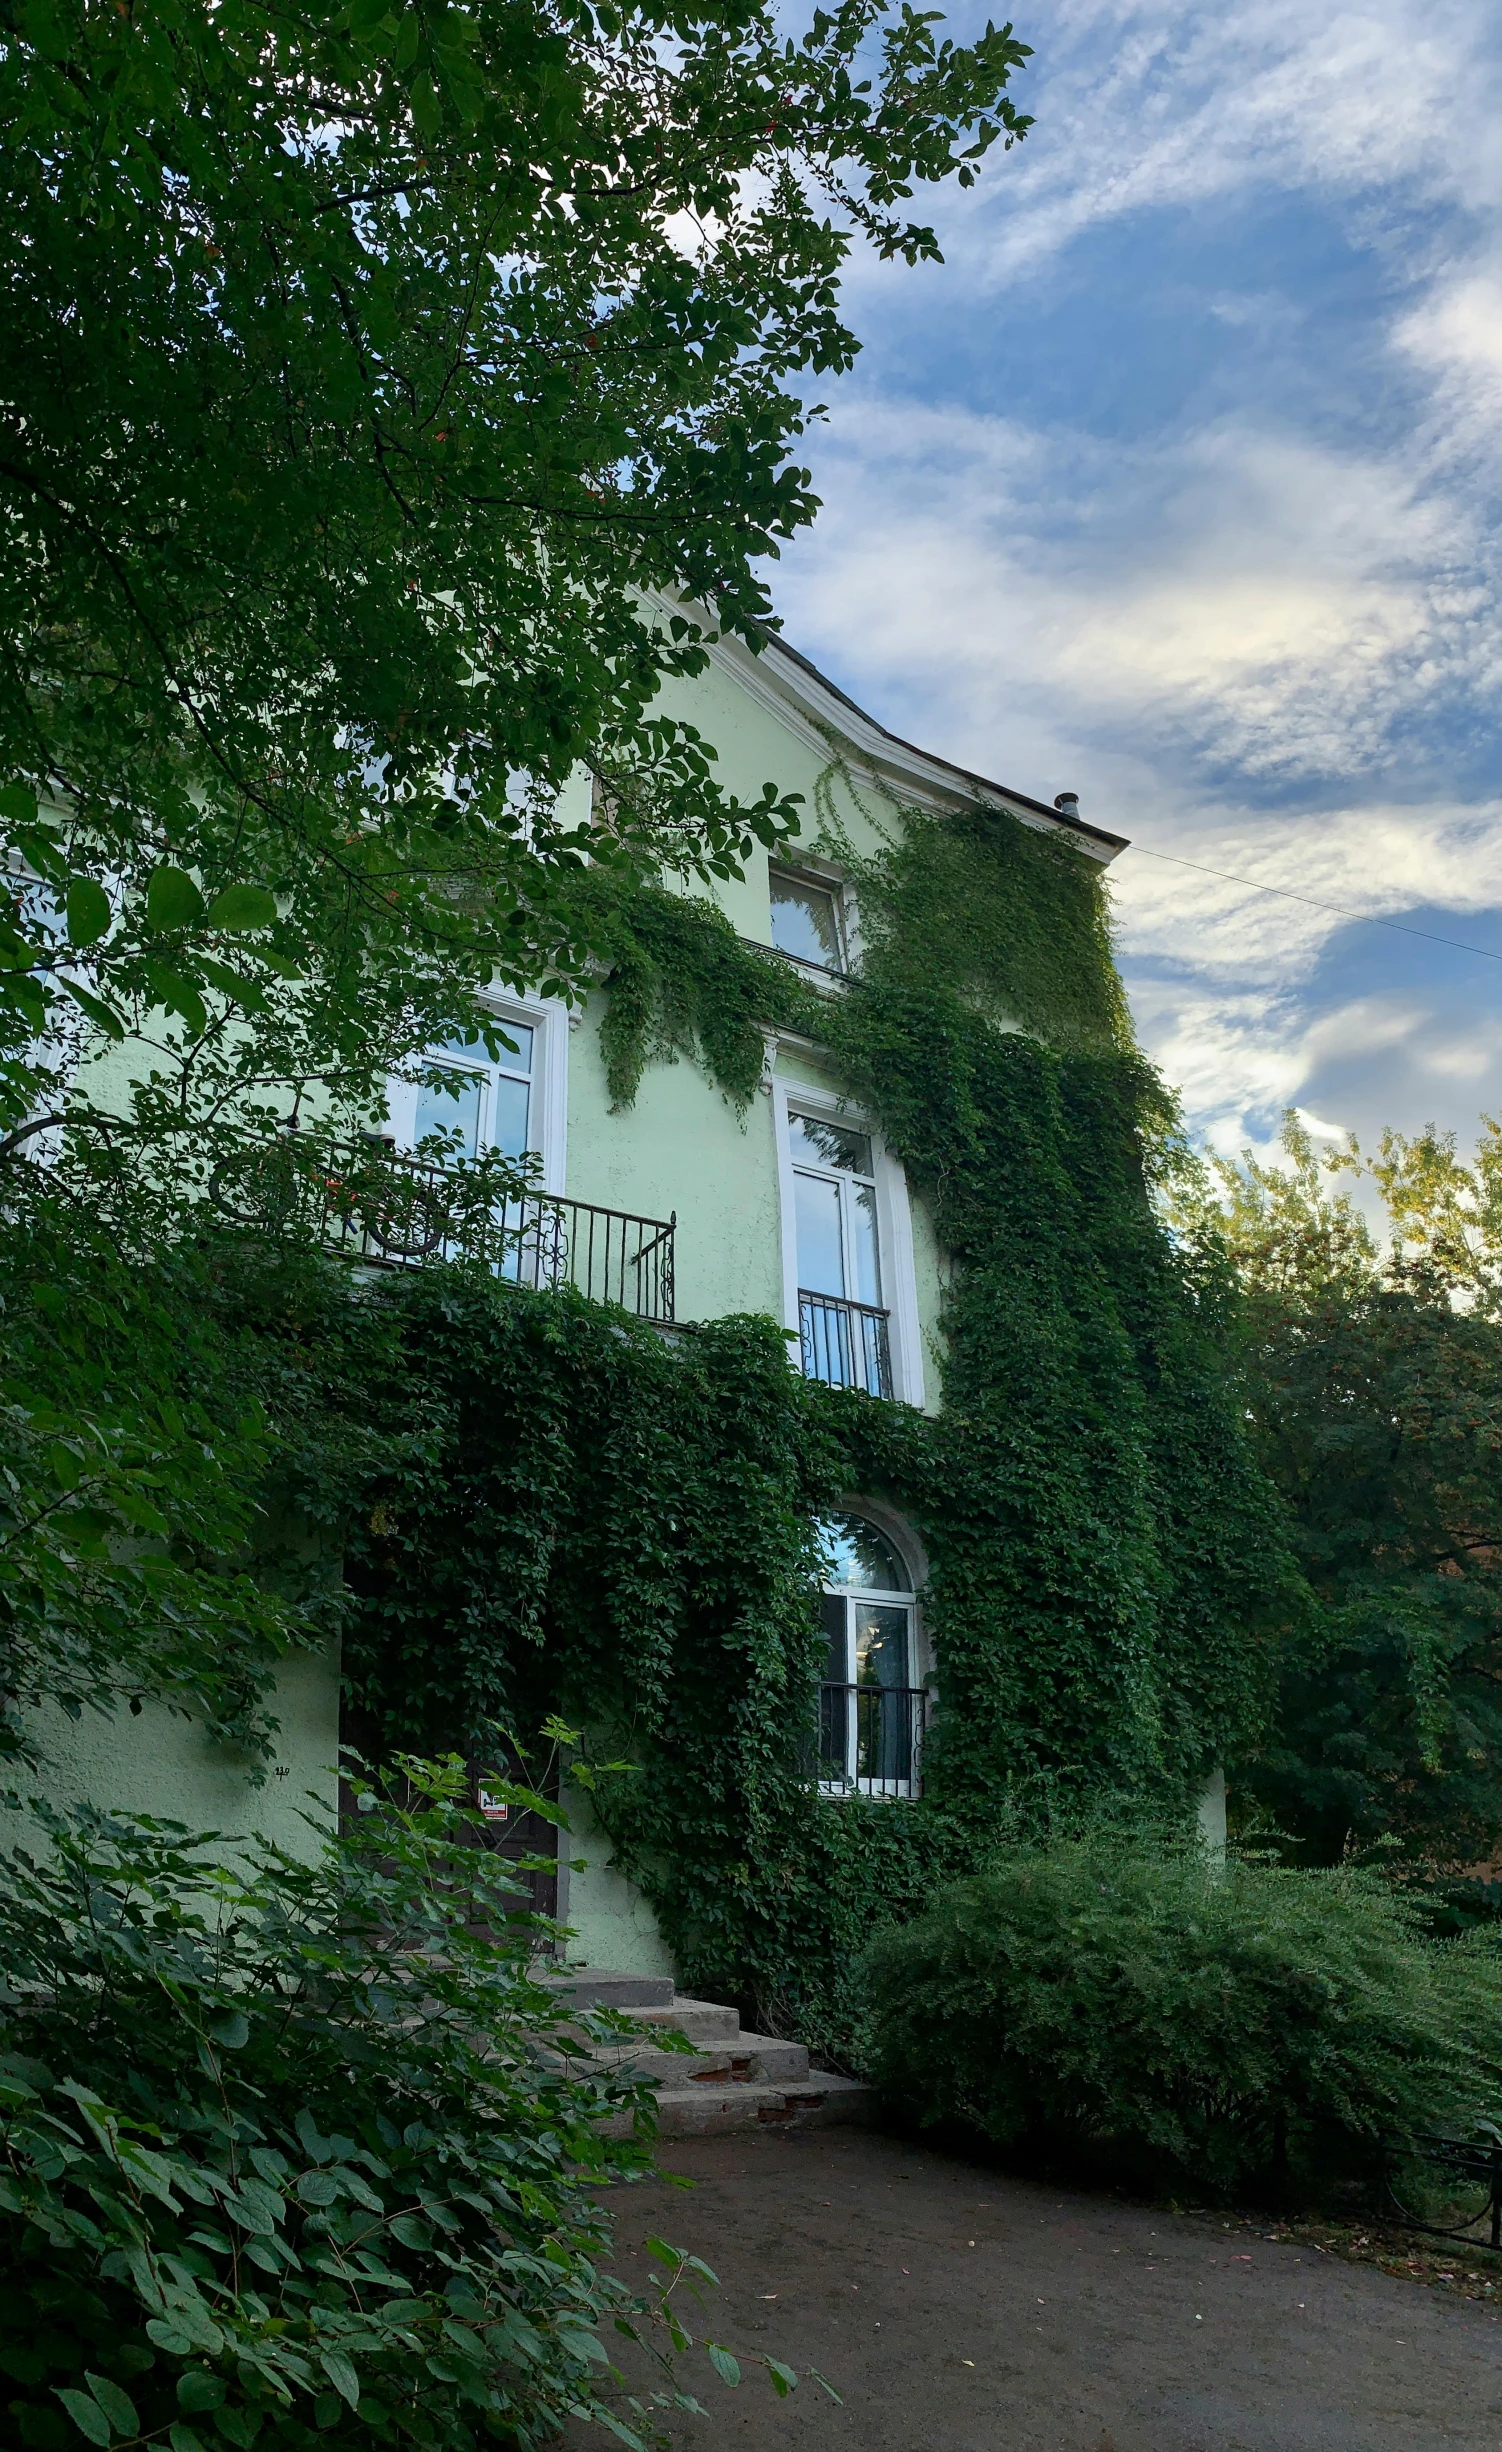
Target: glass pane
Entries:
(816, 1211)
(865, 1259)
(513, 1100)
(452, 1103)
(881, 1646)
(521, 1034)
(517, 1058)
(837, 1664)
(805, 921)
(859, 1557)
(834, 1145)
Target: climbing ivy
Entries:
(578, 1514)
(1009, 918)
(680, 982)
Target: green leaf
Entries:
(18, 804)
(341, 2374)
(117, 2406)
(232, 2030)
(233, 984)
(317, 2148)
(172, 900)
(169, 2337)
(86, 2414)
(183, 2439)
(103, 1016)
(241, 910)
(239, 2426)
(317, 2188)
(197, 2389)
(784, 2380)
(726, 2366)
(177, 995)
(88, 910)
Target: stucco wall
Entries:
(613, 1926)
(682, 1148)
(157, 1762)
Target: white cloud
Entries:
(1455, 337)
(1143, 104)
(1380, 862)
(1179, 632)
(1248, 597)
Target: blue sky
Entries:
(1177, 487)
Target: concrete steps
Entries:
(730, 2080)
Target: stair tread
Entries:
(818, 2081)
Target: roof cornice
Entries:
(814, 706)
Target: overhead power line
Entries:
(1369, 918)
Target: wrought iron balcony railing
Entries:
(378, 1204)
(845, 1344)
(871, 1739)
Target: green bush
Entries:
(297, 2153)
(1157, 2015)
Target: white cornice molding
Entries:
(813, 710)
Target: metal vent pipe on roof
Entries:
(1067, 803)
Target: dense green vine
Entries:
(578, 1515)
(680, 982)
(1010, 919)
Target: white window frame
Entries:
(920, 1675)
(547, 1018)
(894, 1229)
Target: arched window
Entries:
(871, 1705)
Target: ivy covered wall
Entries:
(560, 1509)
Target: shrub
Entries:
(1164, 2015)
(298, 2152)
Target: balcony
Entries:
(871, 1739)
(845, 1344)
(376, 1204)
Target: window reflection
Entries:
(489, 1105)
(817, 1142)
(806, 921)
(450, 1105)
(858, 1557)
(872, 1711)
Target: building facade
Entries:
(685, 1209)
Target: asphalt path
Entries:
(957, 2309)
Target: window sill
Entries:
(820, 977)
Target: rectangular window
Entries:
(807, 921)
(842, 1323)
(488, 1103)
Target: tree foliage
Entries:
(136, 1453)
(1376, 1378)
(377, 382)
